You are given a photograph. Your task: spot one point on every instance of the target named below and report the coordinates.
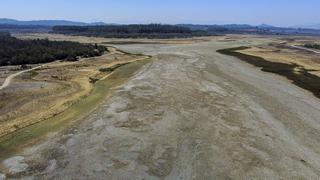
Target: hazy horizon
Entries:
(273, 12)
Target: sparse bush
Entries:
(313, 46)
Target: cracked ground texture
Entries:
(191, 113)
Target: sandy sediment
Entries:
(191, 114)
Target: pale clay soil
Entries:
(189, 114)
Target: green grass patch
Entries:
(112, 68)
(33, 73)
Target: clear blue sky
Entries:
(275, 12)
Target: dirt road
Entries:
(8, 80)
(190, 114)
(306, 49)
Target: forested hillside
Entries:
(14, 51)
(130, 31)
(24, 28)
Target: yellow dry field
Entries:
(82, 39)
(308, 60)
(44, 93)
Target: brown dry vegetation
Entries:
(285, 54)
(115, 41)
(43, 93)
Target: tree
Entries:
(16, 52)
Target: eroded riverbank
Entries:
(16, 141)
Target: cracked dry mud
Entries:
(190, 114)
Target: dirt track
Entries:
(191, 114)
(8, 80)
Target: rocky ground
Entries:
(192, 113)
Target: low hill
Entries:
(24, 28)
(311, 26)
(263, 29)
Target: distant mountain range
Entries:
(52, 23)
(17, 26)
(47, 22)
(263, 29)
(227, 27)
(310, 26)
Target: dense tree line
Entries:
(23, 28)
(313, 46)
(12, 26)
(14, 51)
(130, 31)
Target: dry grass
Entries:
(13, 143)
(46, 92)
(307, 60)
(115, 41)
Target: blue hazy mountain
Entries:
(47, 22)
(309, 26)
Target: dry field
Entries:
(43, 93)
(190, 113)
(285, 53)
(113, 41)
